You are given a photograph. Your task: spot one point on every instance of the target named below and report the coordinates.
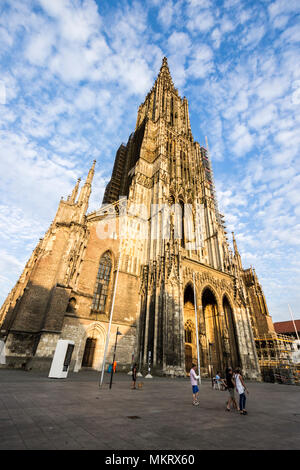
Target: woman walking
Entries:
(230, 385)
(241, 388)
(133, 386)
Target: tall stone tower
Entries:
(160, 229)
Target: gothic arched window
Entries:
(102, 283)
(188, 332)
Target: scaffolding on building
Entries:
(209, 177)
(275, 356)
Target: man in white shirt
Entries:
(194, 384)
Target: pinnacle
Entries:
(165, 65)
(165, 71)
(165, 62)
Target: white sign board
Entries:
(61, 360)
(2, 352)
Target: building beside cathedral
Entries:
(160, 233)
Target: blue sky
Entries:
(73, 73)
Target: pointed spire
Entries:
(91, 173)
(87, 187)
(73, 196)
(236, 252)
(164, 63)
(165, 71)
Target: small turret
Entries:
(236, 252)
(73, 196)
(85, 192)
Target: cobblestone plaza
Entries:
(62, 414)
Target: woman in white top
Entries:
(241, 388)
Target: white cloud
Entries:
(291, 34)
(241, 139)
(280, 21)
(6, 39)
(272, 88)
(201, 62)
(40, 45)
(263, 116)
(165, 15)
(216, 37)
(281, 6)
(253, 36)
(179, 43)
(201, 21)
(226, 25)
(75, 73)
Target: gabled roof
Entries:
(282, 327)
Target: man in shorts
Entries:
(194, 382)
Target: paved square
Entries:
(41, 413)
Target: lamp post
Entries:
(112, 366)
(210, 360)
(197, 335)
(292, 317)
(110, 322)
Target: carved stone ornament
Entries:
(144, 180)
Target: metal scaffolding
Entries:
(275, 355)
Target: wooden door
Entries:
(89, 351)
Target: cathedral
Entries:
(153, 263)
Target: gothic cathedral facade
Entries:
(155, 256)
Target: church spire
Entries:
(164, 74)
(164, 66)
(91, 173)
(236, 252)
(73, 196)
(87, 188)
(163, 102)
(165, 62)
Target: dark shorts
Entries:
(195, 388)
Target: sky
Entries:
(73, 74)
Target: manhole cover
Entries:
(134, 417)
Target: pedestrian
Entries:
(194, 383)
(230, 385)
(218, 381)
(241, 388)
(134, 377)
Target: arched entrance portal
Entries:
(234, 360)
(91, 347)
(89, 352)
(212, 326)
(189, 328)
